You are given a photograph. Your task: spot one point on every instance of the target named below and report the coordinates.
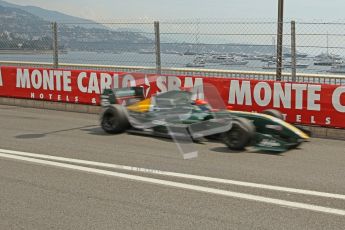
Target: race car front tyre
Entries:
(114, 119)
(240, 135)
(274, 113)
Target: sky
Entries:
(332, 10)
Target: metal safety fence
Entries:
(218, 48)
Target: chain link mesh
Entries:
(219, 45)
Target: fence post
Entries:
(55, 46)
(280, 40)
(293, 50)
(158, 48)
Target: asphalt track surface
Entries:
(61, 193)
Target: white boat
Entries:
(302, 65)
(198, 62)
(340, 68)
(234, 61)
(195, 64)
(223, 57)
(219, 58)
(270, 65)
(298, 65)
(327, 56)
(325, 62)
(254, 58)
(268, 59)
(213, 59)
(327, 59)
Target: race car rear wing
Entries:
(123, 96)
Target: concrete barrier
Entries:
(317, 131)
(50, 105)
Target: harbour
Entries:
(228, 61)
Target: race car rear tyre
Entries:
(273, 113)
(114, 119)
(240, 135)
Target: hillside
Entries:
(20, 29)
(53, 16)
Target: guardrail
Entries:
(255, 75)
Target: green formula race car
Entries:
(175, 114)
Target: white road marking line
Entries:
(181, 185)
(179, 175)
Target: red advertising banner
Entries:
(315, 104)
